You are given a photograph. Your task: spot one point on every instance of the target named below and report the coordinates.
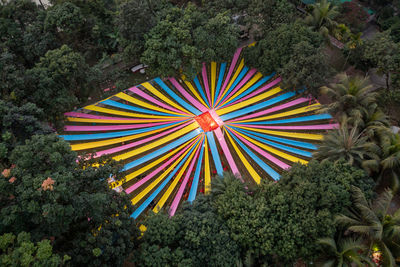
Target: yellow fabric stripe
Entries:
(249, 168)
(166, 139)
(273, 150)
(207, 178)
(115, 121)
(213, 79)
(157, 93)
(284, 114)
(148, 166)
(285, 134)
(246, 86)
(172, 186)
(146, 190)
(238, 70)
(112, 141)
(194, 91)
(248, 101)
(124, 113)
(143, 104)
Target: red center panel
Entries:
(206, 122)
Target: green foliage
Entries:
(12, 78)
(269, 15)
(310, 73)
(193, 237)
(64, 18)
(51, 196)
(282, 221)
(135, 19)
(21, 251)
(381, 52)
(323, 16)
(344, 252)
(182, 40)
(17, 125)
(56, 82)
(390, 160)
(350, 95)
(298, 57)
(347, 144)
(22, 31)
(373, 223)
(95, 33)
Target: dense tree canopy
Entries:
(57, 81)
(298, 58)
(21, 251)
(194, 237)
(71, 205)
(186, 37)
(17, 125)
(277, 222)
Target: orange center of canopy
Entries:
(206, 122)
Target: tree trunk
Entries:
(387, 80)
(40, 1)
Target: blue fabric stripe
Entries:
(200, 89)
(220, 79)
(144, 205)
(297, 119)
(79, 137)
(237, 80)
(195, 183)
(214, 152)
(258, 106)
(279, 139)
(132, 108)
(282, 147)
(251, 89)
(271, 172)
(176, 97)
(162, 150)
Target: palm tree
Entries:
(372, 222)
(349, 96)
(344, 252)
(390, 163)
(373, 121)
(322, 17)
(346, 144)
(353, 41)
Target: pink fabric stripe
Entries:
(75, 128)
(178, 196)
(271, 84)
(205, 81)
(91, 116)
(305, 127)
(231, 68)
(191, 99)
(216, 117)
(240, 85)
(120, 148)
(227, 153)
(267, 111)
(152, 174)
(268, 156)
(155, 101)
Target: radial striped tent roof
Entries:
(174, 135)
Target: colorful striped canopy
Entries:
(174, 135)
